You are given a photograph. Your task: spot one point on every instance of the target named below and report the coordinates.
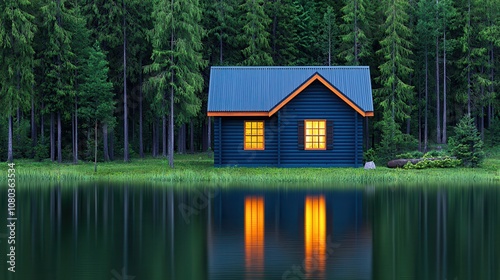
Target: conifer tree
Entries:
(96, 96)
(397, 64)
(176, 60)
(219, 20)
(57, 58)
(356, 44)
(16, 60)
(330, 33)
(466, 144)
(284, 36)
(254, 38)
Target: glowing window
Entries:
(254, 135)
(315, 134)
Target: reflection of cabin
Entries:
(273, 231)
(289, 116)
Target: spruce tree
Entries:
(284, 36)
(95, 92)
(176, 61)
(330, 33)
(16, 60)
(466, 144)
(58, 59)
(397, 64)
(356, 44)
(219, 20)
(254, 38)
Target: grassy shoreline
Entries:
(199, 168)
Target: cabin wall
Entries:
(230, 145)
(315, 102)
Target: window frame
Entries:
(319, 135)
(251, 135)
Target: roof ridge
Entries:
(291, 67)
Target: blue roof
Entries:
(261, 88)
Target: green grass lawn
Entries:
(199, 168)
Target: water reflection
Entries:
(315, 234)
(254, 236)
(103, 232)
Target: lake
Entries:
(135, 232)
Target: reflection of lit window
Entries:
(315, 233)
(254, 233)
(315, 134)
(254, 135)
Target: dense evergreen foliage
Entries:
(466, 144)
(432, 62)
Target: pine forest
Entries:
(125, 79)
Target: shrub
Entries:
(445, 162)
(435, 154)
(369, 155)
(393, 141)
(414, 154)
(466, 144)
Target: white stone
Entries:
(370, 165)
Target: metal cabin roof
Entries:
(261, 88)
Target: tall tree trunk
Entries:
(141, 143)
(153, 149)
(126, 156)
(164, 135)
(111, 140)
(426, 116)
(33, 125)
(330, 41)
(95, 147)
(52, 140)
(10, 152)
(469, 65)
(191, 141)
(438, 103)
(88, 152)
(445, 140)
(18, 125)
(356, 56)
(492, 79)
(274, 35)
(171, 129)
(75, 134)
(105, 141)
(59, 138)
(181, 139)
(419, 121)
(42, 124)
(171, 116)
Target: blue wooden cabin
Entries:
(289, 116)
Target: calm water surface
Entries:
(120, 232)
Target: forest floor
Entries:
(198, 169)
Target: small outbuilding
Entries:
(307, 116)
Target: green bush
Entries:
(435, 154)
(466, 144)
(445, 162)
(393, 141)
(369, 155)
(414, 154)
